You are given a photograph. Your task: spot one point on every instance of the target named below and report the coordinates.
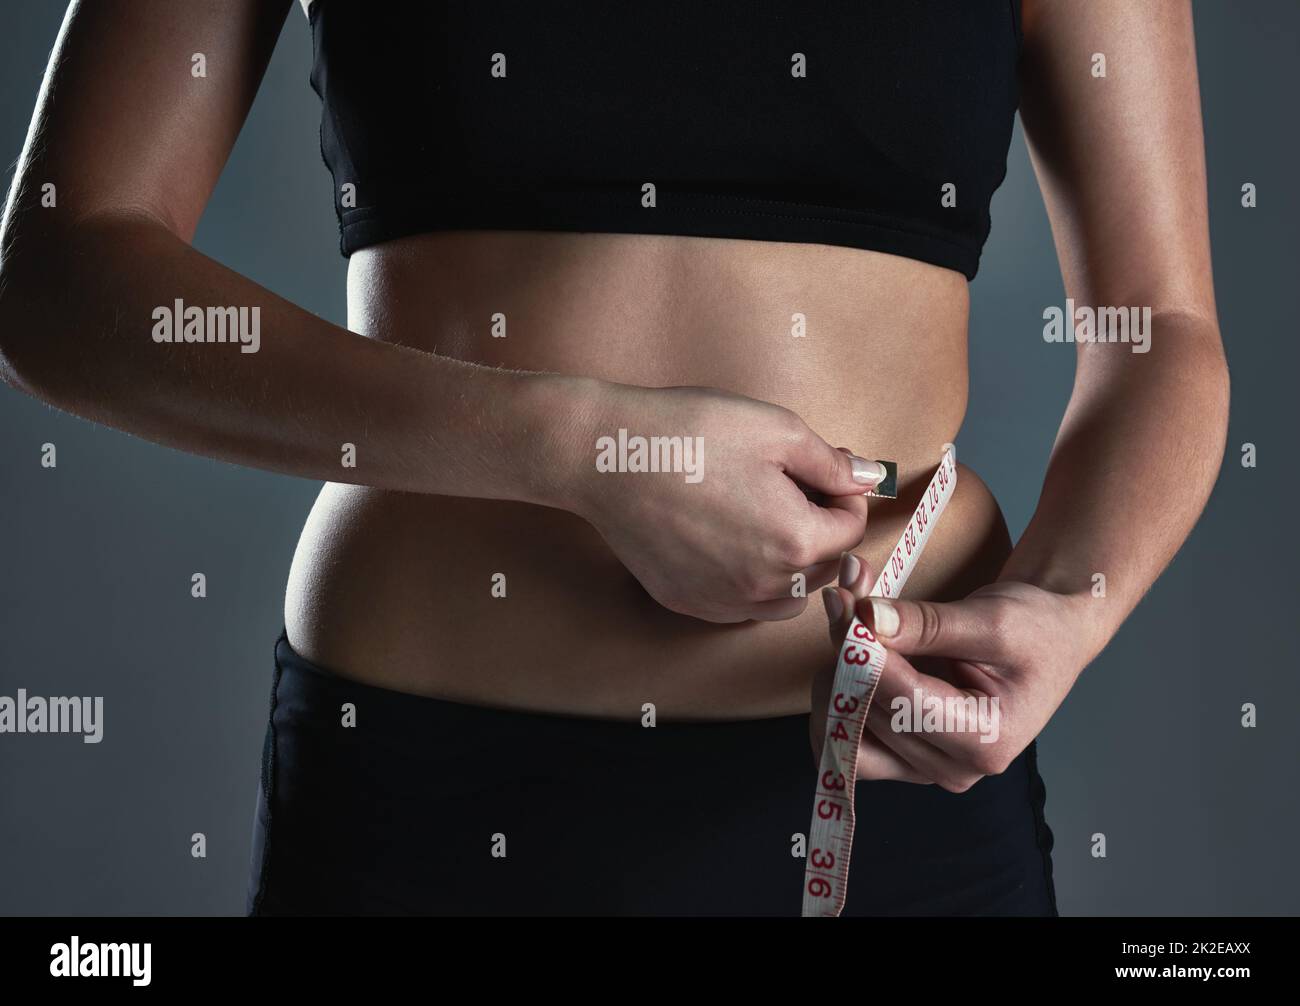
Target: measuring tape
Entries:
(862, 658)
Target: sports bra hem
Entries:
(749, 219)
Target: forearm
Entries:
(77, 324)
(1137, 454)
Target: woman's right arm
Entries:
(132, 145)
(124, 150)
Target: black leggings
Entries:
(409, 811)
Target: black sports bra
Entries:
(879, 125)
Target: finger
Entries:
(816, 464)
(839, 613)
(961, 629)
(855, 502)
(953, 721)
(856, 575)
(924, 758)
(815, 577)
(855, 578)
(947, 770)
(853, 505)
(778, 610)
(834, 529)
(876, 761)
(818, 576)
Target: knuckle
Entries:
(930, 627)
(795, 608)
(748, 583)
(838, 466)
(674, 603)
(1001, 625)
(960, 782)
(800, 549)
(953, 784)
(789, 428)
(787, 547)
(990, 759)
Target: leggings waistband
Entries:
(420, 723)
(379, 802)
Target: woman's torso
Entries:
(542, 164)
(397, 589)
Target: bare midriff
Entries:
(396, 589)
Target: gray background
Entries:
(1200, 814)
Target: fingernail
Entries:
(884, 617)
(867, 472)
(834, 606)
(849, 567)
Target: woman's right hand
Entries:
(725, 542)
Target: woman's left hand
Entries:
(1006, 656)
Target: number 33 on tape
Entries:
(861, 659)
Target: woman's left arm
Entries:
(1121, 163)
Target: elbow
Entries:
(62, 299)
(15, 347)
(1224, 398)
(46, 275)
(1223, 385)
(1217, 381)
(1213, 386)
(23, 364)
(1194, 347)
(1205, 360)
(34, 358)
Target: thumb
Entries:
(817, 465)
(959, 629)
